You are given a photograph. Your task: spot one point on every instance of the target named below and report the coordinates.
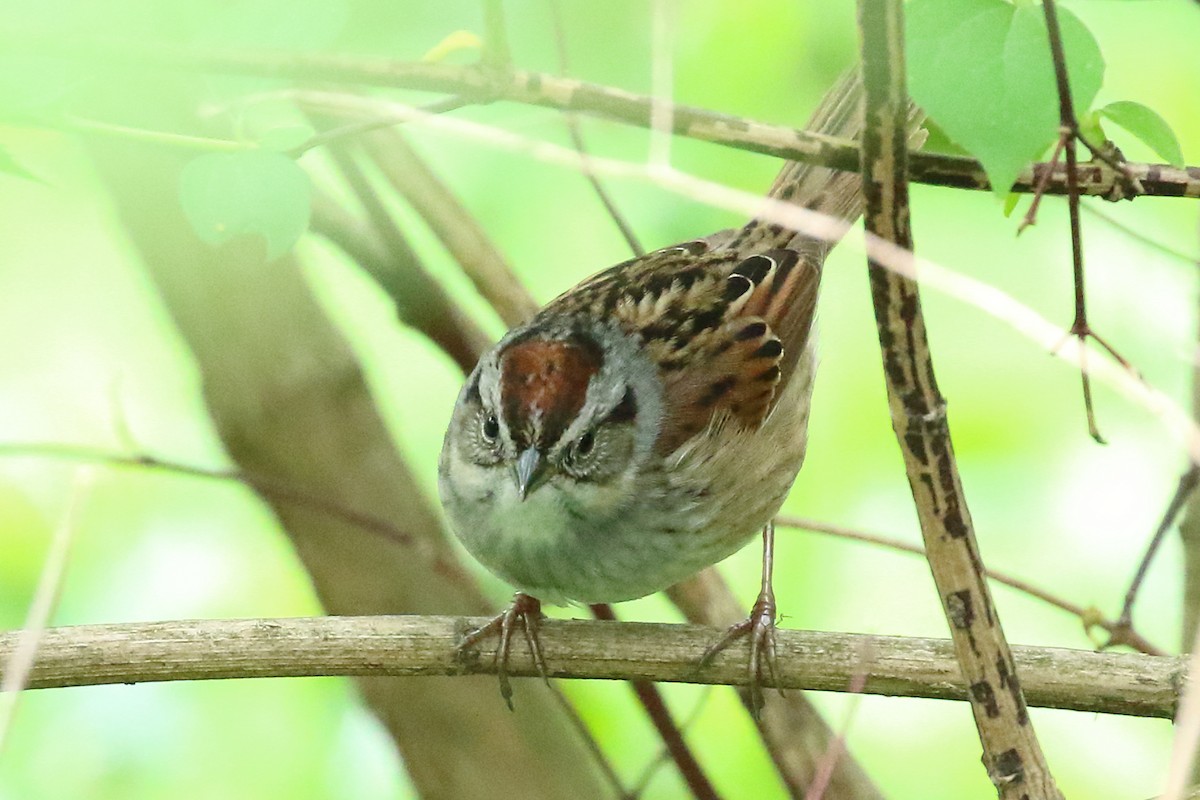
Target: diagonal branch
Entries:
(19, 660)
(385, 255)
(459, 232)
(660, 716)
(1011, 751)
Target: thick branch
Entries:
(1011, 751)
(483, 84)
(292, 407)
(86, 655)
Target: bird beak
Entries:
(527, 471)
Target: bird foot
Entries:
(525, 611)
(759, 629)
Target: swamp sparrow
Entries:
(648, 422)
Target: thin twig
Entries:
(1011, 751)
(459, 231)
(1090, 617)
(1138, 236)
(1183, 492)
(1068, 136)
(576, 134)
(19, 662)
(267, 487)
(359, 127)
(652, 701)
(1039, 191)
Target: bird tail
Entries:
(834, 192)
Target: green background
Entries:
(88, 356)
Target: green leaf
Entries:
(1090, 127)
(1010, 203)
(1147, 125)
(226, 195)
(982, 70)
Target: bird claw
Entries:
(759, 629)
(526, 611)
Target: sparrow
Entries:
(650, 421)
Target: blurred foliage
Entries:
(90, 357)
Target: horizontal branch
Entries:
(1115, 683)
(482, 84)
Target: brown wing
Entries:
(725, 330)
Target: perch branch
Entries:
(89, 655)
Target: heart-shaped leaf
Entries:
(982, 70)
(225, 195)
(1146, 124)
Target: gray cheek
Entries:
(464, 483)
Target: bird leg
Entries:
(758, 627)
(525, 610)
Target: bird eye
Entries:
(585, 443)
(491, 427)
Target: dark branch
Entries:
(1011, 751)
